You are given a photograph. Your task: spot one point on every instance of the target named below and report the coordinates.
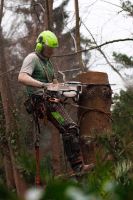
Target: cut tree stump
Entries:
(94, 115)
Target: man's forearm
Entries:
(28, 80)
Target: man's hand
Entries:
(53, 86)
(55, 81)
(44, 86)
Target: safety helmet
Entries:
(47, 38)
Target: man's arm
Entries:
(25, 74)
(26, 79)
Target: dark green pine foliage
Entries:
(123, 59)
(5, 194)
(123, 113)
(99, 184)
(123, 120)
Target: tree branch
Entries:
(103, 54)
(1, 10)
(95, 47)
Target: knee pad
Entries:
(72, 129)
(71, 143)
(73, 152)
(71, 138)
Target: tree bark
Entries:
(77, 34)
(5, 149)
(56, 151)
(8, 167)
(56, 145)
(12, 173)
(48, 14)
(94, 114)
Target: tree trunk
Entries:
(56, 151)
(94, 114)
(77, 34)
(11, 127)
(56, 145)
(48, 14)
(8, 167)
(5, 149)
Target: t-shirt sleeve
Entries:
(28, 65)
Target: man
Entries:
(35, 73)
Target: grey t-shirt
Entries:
(41, 70)
(29, 63)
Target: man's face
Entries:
(47, 51)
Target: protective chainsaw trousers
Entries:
(57, 114)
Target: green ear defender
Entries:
(38, 47)
(39, 44)
(47, 38)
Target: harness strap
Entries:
(88, 109)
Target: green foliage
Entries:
(123, 59)
(57, 190)
(107, 181)
(99, 184)
(123, 172)
(123, 120)
(98, 177)
(27, 163)
(111, 145)
(28, 166)
(5, 194)
(47, 169)
(123, 113)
